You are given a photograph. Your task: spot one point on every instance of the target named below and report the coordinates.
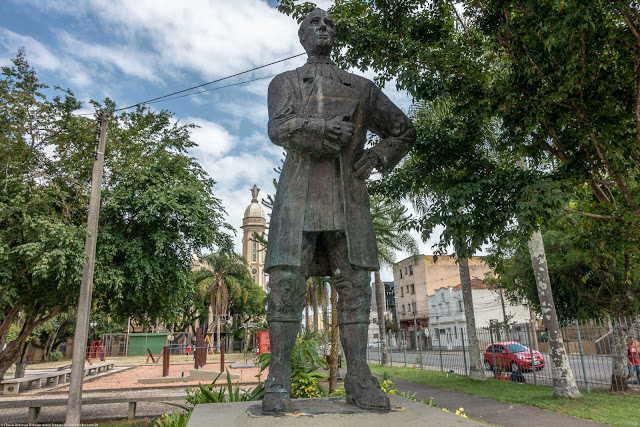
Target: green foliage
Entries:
(14, 331)
(587, 281)
(55, 356)
(339, 391)
(226, 393)
(175, 419)
(304, 386)
(526, 115)
(389, 222)
(305, 363)
(157, 208)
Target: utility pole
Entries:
(415, 324)
(74, 405)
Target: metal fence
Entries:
(591, 347)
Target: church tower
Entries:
(254, 222)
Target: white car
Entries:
(374, 344)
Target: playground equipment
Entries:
(95, 350)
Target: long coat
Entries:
(297, 124)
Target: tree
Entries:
(40, 238)
(224, 274)
(158, 208)
(472, 183)
(389, 218)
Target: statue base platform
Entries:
(327, 411)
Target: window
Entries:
(413, 289)
(403, 309)
(405, 270)
(455, 331)
(255, 250)
(375, 336)
(411, 270)
(460, 306)
(401, 273)
(401, 291)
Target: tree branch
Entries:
(592, 215)
(619, 183)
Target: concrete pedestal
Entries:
(328, 411)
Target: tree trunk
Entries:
(380, 306)
(314, 303)
(218, 307)
(306, 318)
(15, 347)
(619, 369)
(333, 366)
(476, 368)
(564, 383)
(325, 313)
(6, 324)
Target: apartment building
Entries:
(417, 277)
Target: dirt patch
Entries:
(129, 379)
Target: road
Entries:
(597, 367)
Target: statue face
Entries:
(317, 33)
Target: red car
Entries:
(512, 355)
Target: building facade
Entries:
(414, 279)
(254, 224)
(447, 319)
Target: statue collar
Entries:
(320, 60)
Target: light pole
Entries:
(93, 325)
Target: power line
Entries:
(209, 90)
(157, 99)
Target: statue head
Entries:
(317, 33)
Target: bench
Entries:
(35, 405)
(11, 387)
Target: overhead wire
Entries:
(168, 96)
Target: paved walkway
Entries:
(92, 413)
(490, 410)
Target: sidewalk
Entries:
(489, 410)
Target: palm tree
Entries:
(223, 274)
(388, 218)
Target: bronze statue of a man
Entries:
(321, 224)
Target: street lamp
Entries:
(93, 325)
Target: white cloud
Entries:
(235, 174)
(41, 58)
(253, 110)
(129, 61)
(212, 138)
(38, 54)
(213, 39)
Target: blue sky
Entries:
(133, 50)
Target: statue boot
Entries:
(276, 392)
(277, 387)
(361, 388)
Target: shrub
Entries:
(339, 391)
(55, 355)
(304, 386)
(305, 362)
(175, 419)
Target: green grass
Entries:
(616, 409)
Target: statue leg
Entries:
(284, 313)
(354, 303)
